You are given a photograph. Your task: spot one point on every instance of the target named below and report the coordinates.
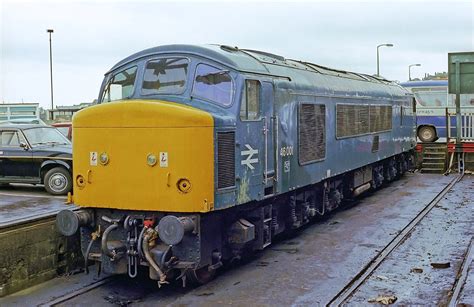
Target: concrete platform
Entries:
(25, 203)
(32, 251)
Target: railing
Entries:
(467, 124)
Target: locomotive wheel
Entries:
(200, 276)
(427, 134)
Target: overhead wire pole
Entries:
(378, 57)
(50, 31)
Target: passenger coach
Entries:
(197, 155)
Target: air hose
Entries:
(140, 239)
(88, 251)
(104, 247)
(149, 258)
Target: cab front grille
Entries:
(225, 159)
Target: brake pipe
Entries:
(104, 247)
(149, 258)
(94, 236)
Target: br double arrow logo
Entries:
(250, 152)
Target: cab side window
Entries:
(120, 86)
(9, 139)
(165, 76)
(213, 84)
(250, 105)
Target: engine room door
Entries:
(268, 123)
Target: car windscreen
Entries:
(63, 130)
(45, 136)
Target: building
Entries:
(20, 112)
(65, 113)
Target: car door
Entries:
(15, 158)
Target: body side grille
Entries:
(225, 159)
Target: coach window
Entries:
(165, 76)
(250, 106)
(213, 84)
(120, 86)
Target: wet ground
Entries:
(23, 202)
(423, 269)
(311, 267)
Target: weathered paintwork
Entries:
(128, 132)
(285, 85)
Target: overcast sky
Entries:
(90, 37)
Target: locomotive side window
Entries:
(120, 86)
(165, 76)
(250, 106)
(213, 84)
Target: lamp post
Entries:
(409, 70)
(51, 65)
(378, 60)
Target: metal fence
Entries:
(467, 124)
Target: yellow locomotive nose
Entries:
(144, 155)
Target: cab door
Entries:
(255, 141)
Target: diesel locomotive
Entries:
(199, 155)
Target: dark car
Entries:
(36, 154)
(64, 128)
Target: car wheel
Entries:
(57, 181)
(427, 134)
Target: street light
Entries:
(409, 70)
(381, 45)
(51, 65)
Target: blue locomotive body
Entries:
(292, 140)
(268, 157)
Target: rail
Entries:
(346, 292)
(462, 276)
(71, 295)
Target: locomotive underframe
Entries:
(115, 238)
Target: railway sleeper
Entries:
(191, 247)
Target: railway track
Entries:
(355, 282)
(462, 276)
(350, 288)
(71, 295)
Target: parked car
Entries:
(36, 154)
(64, 128)
(18, 121)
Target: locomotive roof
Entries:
(246, 60)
